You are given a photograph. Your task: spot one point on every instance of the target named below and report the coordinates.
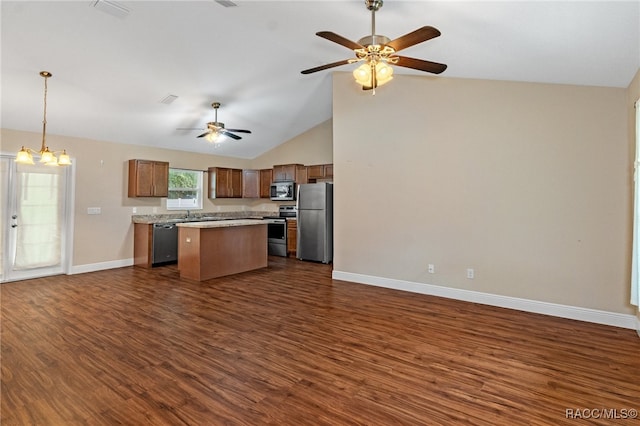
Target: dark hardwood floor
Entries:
(287, 345)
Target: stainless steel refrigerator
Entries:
(315, 222)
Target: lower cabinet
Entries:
(142, 244)
(292, 236)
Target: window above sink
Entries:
(185, 189)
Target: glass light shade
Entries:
(46, 156)
(24, 157)
(52, 162)
(213, 137)
(384, 73)
(362, 74)
(64, 159)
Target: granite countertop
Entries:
(222, 223)
(199, 217)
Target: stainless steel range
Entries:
(277, 230)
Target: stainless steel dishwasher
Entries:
(165, 244)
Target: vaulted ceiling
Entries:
(114, 64)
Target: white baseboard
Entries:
(92, 267)
(553, 309)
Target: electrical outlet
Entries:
(471, 273)
(135, 210)
(94, 210)
(431, 268)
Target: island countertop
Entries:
(222, 223)
(218, 248)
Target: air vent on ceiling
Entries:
(112, 8)
(226, 3)
(168, 99)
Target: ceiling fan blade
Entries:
(231, 135)
(340, 40)
(238, 130)
(203, 135)
(324, 67)
(420, 65)
(414, 37)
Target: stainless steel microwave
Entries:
(283, 191)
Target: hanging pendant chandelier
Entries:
(25, 155)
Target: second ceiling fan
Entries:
(378, 52)
(215, 129)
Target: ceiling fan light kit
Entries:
(378, 53)
(365, 74)
(47, 157)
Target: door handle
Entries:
(14, 225)
(15, 216)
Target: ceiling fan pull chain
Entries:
(374, 81)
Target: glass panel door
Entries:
(34, 220)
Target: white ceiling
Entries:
(110, 73)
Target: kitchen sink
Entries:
(203, 219)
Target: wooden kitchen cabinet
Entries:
(320, 171)
(148, 178)
(286, 172)
(292, 237)
(142, 244)
(225, 182)
(301, 175)
(328, 170)
(266, 177)
(251, 184)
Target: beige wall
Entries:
(101, 181)
(312, 147)
(528, 184)
(633, 96)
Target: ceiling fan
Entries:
(215, 129)
(378, 52)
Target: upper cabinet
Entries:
(266, 178)
(225, 182)
(148, 178)
(251, 184)
(320, 171)
(290, 172)
(301, 175)
(285, 172)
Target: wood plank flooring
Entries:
(287, 345)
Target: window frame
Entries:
(182, 203)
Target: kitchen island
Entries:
(218, 248)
